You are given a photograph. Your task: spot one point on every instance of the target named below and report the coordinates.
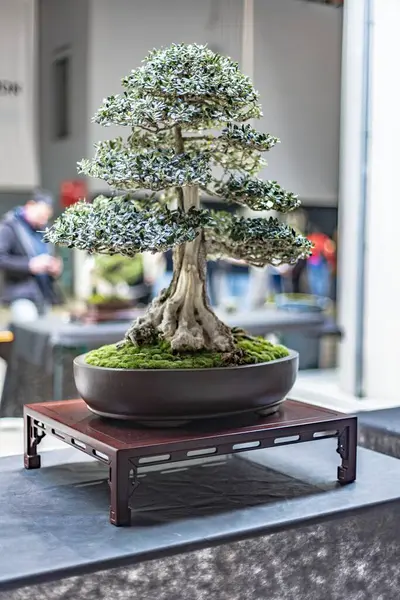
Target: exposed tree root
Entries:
(182, 314)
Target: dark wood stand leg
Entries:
(32, 437)
(121, 490)
(347, 449)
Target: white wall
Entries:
(18, 123)
(63, 27)
(123, 31)
(350, 194)
(297, 72)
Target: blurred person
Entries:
(320, 264)
(27, 267)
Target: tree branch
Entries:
(255, 241)
(117, 226)
(179, 145)
(194, 138)
(208, 191)
(180, 149)
(153, 131)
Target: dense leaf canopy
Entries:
(246, 137)
(117, 226)
(186, 110)
(153, 170)
(257, 194)
(256, 241)
(173, 105)
(187, 85)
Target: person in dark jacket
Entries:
(28, 269)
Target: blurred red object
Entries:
(323, 246)
(72, 191)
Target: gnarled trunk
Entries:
(182, 314)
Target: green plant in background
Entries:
(119, 269)
(97, 299)
(118, 273)
(186, 111)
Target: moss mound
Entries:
(160, 356)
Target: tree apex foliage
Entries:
(184, 84)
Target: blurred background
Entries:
(315, 66)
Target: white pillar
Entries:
(352, 140)
(380, 326)
(382, 299)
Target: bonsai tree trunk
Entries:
(182, 314)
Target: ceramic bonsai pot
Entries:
(171, 397)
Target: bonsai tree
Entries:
(186, 111)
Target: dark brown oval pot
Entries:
(172, 396)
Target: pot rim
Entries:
(80, 361)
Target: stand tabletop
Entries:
(73, 415)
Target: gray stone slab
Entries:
(355, 558)
(54, 521)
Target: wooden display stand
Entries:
(125, 447)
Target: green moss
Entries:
(99, 299)
(248, 351)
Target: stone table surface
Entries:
(54, 524)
